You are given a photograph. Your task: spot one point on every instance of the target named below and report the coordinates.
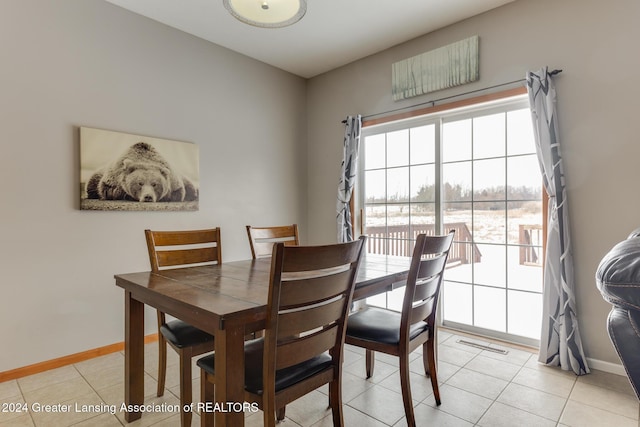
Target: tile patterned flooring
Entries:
(478, 388)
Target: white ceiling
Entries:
(332, 33)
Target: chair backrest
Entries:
(310, 292)
(261, 239)
(423, 283)
(172, 249)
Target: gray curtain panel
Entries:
(348, 174)
(560, 343)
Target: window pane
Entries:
(456, 140)
(398, 215)
(375, 186)
(488, 136)
(374, 151)
(490, 308)
(375, 216)
(423, 218)
(457, 302)
(525, 314)
(525, 275)
(489, 222)
(491, 270)
(423, 144)
(520, 139)
(524, 178)
(456, 181)
(460, 267)
(488, 179)
(398, 185)
(423, 183)
(398, 148)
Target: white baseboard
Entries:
(612, 368)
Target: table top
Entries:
(237, 291)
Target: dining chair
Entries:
(261, 239)
(174, 249)
(310, 291)
(398, 334)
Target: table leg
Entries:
(229, 387)
(133, 355)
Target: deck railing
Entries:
(530, 239)
(399, 240)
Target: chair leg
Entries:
(426, 354)
(162, 364)
(370, 361)
(429, 348)
(335, 400)
(269, 419)
(280, 413)
(425, 360)
(269, 410)
(405, 385)
(185, 388)
(207, 391)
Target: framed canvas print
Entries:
(124, 172)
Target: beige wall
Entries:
(595, 43)
(71, 63)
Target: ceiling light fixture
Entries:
(267, 13)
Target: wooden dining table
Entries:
(229, 301)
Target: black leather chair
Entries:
(618, 279)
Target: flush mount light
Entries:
(267, 13)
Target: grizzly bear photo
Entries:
(141, 175)
(129, 172)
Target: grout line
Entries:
(566, 402)
(25, 401)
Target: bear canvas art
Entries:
(131, 172)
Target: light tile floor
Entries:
(478, 388)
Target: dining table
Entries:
(229, 301)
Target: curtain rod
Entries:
(433, 102)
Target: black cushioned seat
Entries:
(253, 351)
(375, 324)
(182, 334)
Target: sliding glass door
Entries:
(475, 172)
